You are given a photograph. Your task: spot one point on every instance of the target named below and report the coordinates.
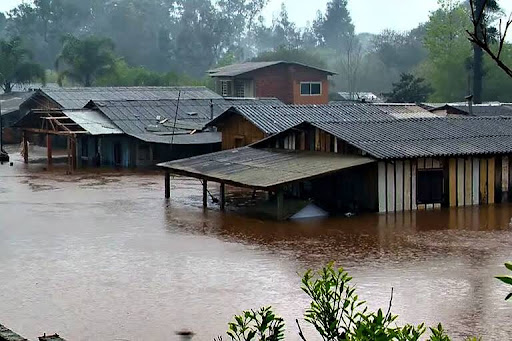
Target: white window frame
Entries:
(311, 83)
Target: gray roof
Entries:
(77, 98)
(274, 119)
(11, 102)
(427, 137)
(93, 121)
(485, 110)
(261, 168)
(405, 110)
(243, 68)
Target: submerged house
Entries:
(10, 114)
(126, 127)
(246, 124)
(290, 82)
(379, 166)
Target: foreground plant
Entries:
(507, 279)
(337, 314)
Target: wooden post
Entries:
(49, 150)
(70, 162)
(167, 184)
(222, 197)
(205, 193)
(25, 147)
(280, 205)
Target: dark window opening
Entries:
(430, 186)
(305, 89)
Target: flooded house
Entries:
(10, 114)
(290, 82)
(370, 165)
(125, 127)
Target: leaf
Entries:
(505, 279)
(508, 265)
(509, 296)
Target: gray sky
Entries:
(368, 15)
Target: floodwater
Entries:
(105, 257)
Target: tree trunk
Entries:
(478, 71)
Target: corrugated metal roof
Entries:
(261, 168)
(274, 119)
(242, 68)
(77, 98)
(93, 121)
(426, 137)
(405, 110)
(485, 110)
(205, 137)
(11, 102)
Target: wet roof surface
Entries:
(426, 137)
(77, 98)
(93, 121)
(11, 102)
(274, 119)
(242, 68)
(262, 168)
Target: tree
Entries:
(351, 59)
(335, 27)
(83, 60)
(446, 67)
(16, 65)
(409, 89)
(292, 55)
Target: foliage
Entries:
(335, 27)
(16, 66)
(261, 325)
(292, 55)
(409, 89)
(84, 60)
(507, 279)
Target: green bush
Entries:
(337, 314)
(507, 279)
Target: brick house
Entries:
(292, 83)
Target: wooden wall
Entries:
(238, 129)
(468, 181)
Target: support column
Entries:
(49, 150)
(222, 197)
(205, 193)
(280, 205)
(25, 147)
(167, 184)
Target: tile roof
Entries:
(274, 119)
(426, 137)
(77, 98)
(243, 68)
(262, 168)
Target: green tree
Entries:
(292, 55)
(83, 60)
(335, 27)
(16, 65)
(449, 53)
(507, 279)
(409, 89)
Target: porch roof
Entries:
(263, 169)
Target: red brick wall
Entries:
(283, 82)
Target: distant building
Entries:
(292, 83)
(479, 110)
(358, 97)
(10, 113)
(126, 127)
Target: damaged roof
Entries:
(274, 119)
(262, 168)
(243, 68)
(426, 137)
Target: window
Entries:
(430, 186)
(310, 88)
(239, 89)
(225, 88)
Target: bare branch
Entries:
(479, 36)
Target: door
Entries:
(118, 154)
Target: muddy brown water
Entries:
(105, 257)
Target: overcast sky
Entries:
(368, 15)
